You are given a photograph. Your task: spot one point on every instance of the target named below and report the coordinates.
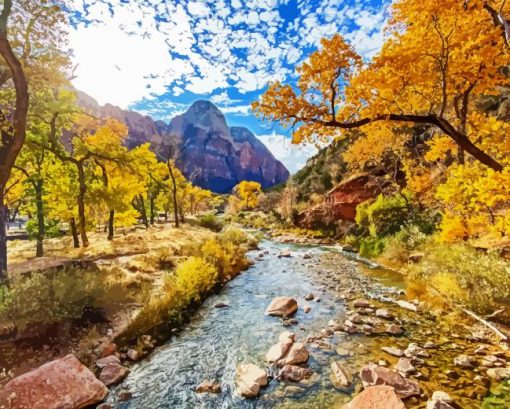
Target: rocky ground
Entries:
(391, 350)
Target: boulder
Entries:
(282, 307)
(298, 354)
(499, 373)
(64, 383)
(361, 303)
(307, 309)
(464, 361)
(249, 379)
(414, 350)
(113, 374)
(294, 373)
(373, 374)
(110, 359)
(124, 395)
(279, 350)
(209, 387)
(405, 367)
(376, 397)
(309, 297)
(384, 313)
(393, 351)
(440, 400)
(407, 305)
(287, 335)
(106, 349)
(285, 253)
(394, 329)
(341, 377)
(133, 354)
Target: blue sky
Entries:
(158, 56)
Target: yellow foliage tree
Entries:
(248, 193)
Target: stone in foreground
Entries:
(278, 351)
(376, 397)
(282, 307)
(440, 400)
(372, 375)
(249, 379)
(209, 387)
(298, 354)
(64, 384)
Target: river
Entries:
(216, 340)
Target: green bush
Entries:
(51, 228)
(211, 222)
(371, 247)
(387, 215)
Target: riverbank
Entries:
(119, 296)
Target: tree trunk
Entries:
(111, 220)
(174, 192)
(151, 207)
(81, 205)
(74, 233)
(12, 136)
(143, 212)
(3, 239)
(38, 186)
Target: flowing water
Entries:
(218, 339)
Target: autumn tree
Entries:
(439, 57)
(13, 126)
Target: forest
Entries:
(377, 276)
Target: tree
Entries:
(13, 130)
(438, 58)
(248, 192)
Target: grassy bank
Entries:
(77, 299)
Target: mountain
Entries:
(206, 150)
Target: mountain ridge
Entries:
(208, 152)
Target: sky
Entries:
(158, 56)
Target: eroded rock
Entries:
(341, 377)
(372, 375)
(64, 383)
(249, 379)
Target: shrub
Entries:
(50, 297)
(389, 214)
(193, 278)
(51, 228)
(211, 222)
(459, 274)
(371, 247)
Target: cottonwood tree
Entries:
(438, 58)
(13, 126)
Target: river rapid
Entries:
(216, 340)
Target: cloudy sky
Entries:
(158, 56)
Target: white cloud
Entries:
(294, 157)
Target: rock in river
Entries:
(294, 373)
(64, 383)
(341, 377)
(113, 374)
(279, 350)
(464, 361)
(376, 397)
(378, 375)
(393, 351)
(282, 307)
(298, 354)
(249, 379)
(209, 387)
(110, 359)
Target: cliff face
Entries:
(206, 150)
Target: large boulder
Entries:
(372, 375)
(298, 354)
(249, 379)
(279, 350)
(61, 384)
(282, 307)
(376, 397)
